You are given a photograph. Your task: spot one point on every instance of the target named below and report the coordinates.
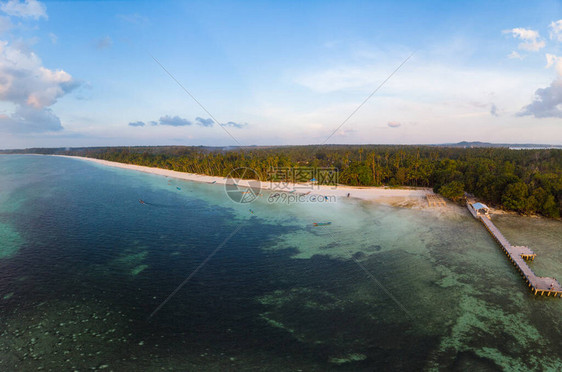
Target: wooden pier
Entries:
(434, 200)
(518, 256)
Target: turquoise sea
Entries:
(83, 264)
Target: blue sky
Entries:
(82, 73)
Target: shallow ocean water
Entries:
(83, 264)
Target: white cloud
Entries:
(26, 9)
(556, 30)
(531, 39)
(532, 46)
(552, 60)
(394, 124)
(524, 34)
(134, 18)
(24, 80)
(32, 88)
(54, 38)
(5, 24)
(514, 55)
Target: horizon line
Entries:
(443, 144)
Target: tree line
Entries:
(526, 181)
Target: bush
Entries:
(453, 190)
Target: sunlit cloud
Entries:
(554, 61)
(32, 88)
(25, 9)
(556, 30)
(531, 39)
(5, 24)
(514, 55)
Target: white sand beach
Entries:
(407, 197)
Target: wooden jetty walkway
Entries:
(518, 256)
(434, 200)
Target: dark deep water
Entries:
(83, 264)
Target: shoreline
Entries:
(385, 195)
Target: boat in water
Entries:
(321, 223)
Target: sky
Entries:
(113, 73)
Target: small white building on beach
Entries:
(479, 209)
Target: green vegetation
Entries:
(453, 190)
(526, 181)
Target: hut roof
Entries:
(478, 206)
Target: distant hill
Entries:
(177, 150)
